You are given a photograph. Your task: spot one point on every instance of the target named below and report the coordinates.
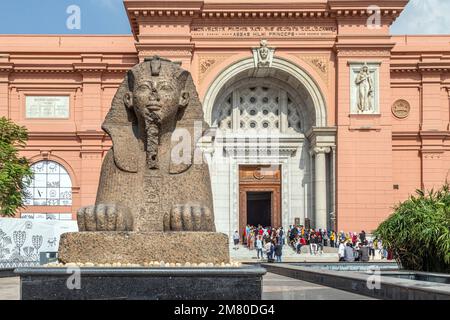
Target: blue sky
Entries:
(108, 17)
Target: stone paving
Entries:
(275, 287)
(9, 288)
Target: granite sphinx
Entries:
(153, 203)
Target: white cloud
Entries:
(424, 17)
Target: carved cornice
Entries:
(68, 68)
(6, 67)
(90, 67)
(276, 10)
(354, 51)
(423, 67)
(258, 13)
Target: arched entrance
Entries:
(267, 117)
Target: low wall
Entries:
(357, 282)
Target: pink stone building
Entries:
(361, 117)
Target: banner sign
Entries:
(22, 240)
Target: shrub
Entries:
(418, 233)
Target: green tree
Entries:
(14, 170)
(418, 233)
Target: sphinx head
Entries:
(156, 97)
(156, 91)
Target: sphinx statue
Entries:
(146, 195)
(141, 187)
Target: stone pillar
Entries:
(321, 187)
(333, 189)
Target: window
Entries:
(50, 186)
(260, 108)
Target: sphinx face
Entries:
(158, 97)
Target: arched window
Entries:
(50, 185)
(259, 107)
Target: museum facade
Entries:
(319, 116)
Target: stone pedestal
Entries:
(138, 248)
(243, 283)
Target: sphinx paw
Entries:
(105, 217)
(189, 217)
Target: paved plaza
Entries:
(275, 287)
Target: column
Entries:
(321, 187)
(333, 188)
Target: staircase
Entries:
(243, 254)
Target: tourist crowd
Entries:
(269, 241)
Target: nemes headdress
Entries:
(120, 122)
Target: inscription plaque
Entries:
(45, 107)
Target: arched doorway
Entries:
(264, 117)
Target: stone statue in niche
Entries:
(141, 188)
(365, 90)
(263, 56)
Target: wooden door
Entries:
(259, 178)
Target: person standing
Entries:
(332, 238)
(342, 236)
(313, 243)
(282, 239)
(362, 236)
(268, 249)
(252, 239)
(259, 248)
(371, 249)
(341, 251)
(364, 252)
(236, 240)
(326, 239)
(354, 238)
(278, 251)
(299, 245)
(320, 243)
